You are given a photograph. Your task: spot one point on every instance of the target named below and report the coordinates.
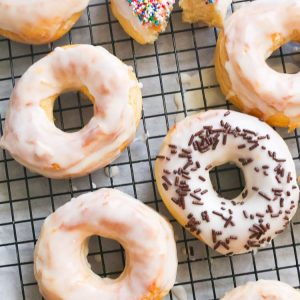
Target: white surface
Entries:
(202, 268)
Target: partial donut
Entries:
(263, 290)
(30, 134)
(203, 141)
(38, 21)
(209, 11)
(249, 37)
(60, 263)
(143, 20)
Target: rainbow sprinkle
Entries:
(150, 11)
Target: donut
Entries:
(203, 141)
(38, 21)
(212, 12)
(60, 265)
(249, 37)
(143, 20)
(30, 134)
(263, 290)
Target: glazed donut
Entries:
(212, 12)
(38, 21)
(203, 141)
(263, 290)
(30, 134)
(143, 20)
(60, 263)
(249, 37)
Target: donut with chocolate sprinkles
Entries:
(206, 140)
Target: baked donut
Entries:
(249, 37)
(212, 12)
(203, 141)
(263, 290)
(30, 134)
(143, 20)
(38, 21)
(60, 265)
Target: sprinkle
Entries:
(152, 12)
(229, 221)
(195, 196)
(217, 245)
(244, 195)
(204, 192)
(264, 196)
(165, 186)
(167, 180)
(270, 209)
(214, 236)
(197, 202)
(253, 146)
(191, 140)
(202, 178)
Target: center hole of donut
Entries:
(227, 180)
(106, 257)
(72, 111)
(286, 59)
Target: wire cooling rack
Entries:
(179, 66)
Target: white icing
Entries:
(253, 203)
(60, 262)
(15, 15)
(221, 6)
(263, 290)
(249, 43)
(34, 140)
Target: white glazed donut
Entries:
(212, 12)
(38, 21)
(206, 140)
(249, 37)
(143, 20)
(60, 263)
(30, 134)
(263, 290)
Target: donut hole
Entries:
(286, 60)
(70, 112)
(227, 180)
(106, 257)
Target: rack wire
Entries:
(27, 198)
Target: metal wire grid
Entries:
(26, 198)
